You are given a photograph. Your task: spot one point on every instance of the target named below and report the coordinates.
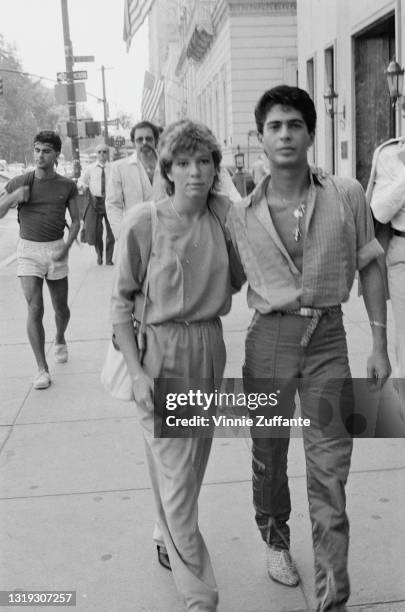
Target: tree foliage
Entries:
(126, 120)
(26, 107)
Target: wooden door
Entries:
(375, 117)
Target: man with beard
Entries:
(131, 178)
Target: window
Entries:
(311, 91)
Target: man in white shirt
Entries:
(386, 195)
(95, 179)
(131, 178)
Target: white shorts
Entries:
(35, 259)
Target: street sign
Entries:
(119, 141)
(61, 93)
(83, 58)
(78, 75)
(114, 122)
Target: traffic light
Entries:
(1, 86)
(93, 128)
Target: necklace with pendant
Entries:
(298, 214)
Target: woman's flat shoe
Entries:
(163, 557)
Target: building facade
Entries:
(348, 46)
(216, 58)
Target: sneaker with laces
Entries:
(61, 353)
(280, 567)
(42, 380)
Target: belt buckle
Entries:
(306, 312)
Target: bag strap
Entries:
(27, 182)
(29, 179)
(153, 215)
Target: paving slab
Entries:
(99, 546)
(88, 455)
(13, 393)
(72, 398)
(376, 561)
(74, 457)
(230, 461)
(4, 432)
(383, 454)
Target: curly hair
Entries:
(284, 95)
(186, 136)
(51, 138)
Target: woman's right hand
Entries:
(143, 391)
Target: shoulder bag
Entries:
(115, 377)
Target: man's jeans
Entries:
(274, 355)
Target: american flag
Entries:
(135, 13)
(152, 92)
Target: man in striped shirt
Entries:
(301, 239)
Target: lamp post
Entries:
(330, 97)
(395, 79)
(71, 88)
(239, 178)
(239, 159)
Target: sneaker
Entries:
(280, 567)
(61, 353)
(42, 380)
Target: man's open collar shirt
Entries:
(339, 238)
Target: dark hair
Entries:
(145, 124)
(286, 96)
(186, 136)
(49, 137)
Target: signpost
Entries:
(83, 58)
(78, 75)
(62, 94)
(70, 86)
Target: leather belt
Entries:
(309, 312)
(315, 314)
(398, 233)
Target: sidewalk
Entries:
(76, 508)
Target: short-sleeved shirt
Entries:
(339, 239)
(388, 190)
(42, 218)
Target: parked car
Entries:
(16, 168)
